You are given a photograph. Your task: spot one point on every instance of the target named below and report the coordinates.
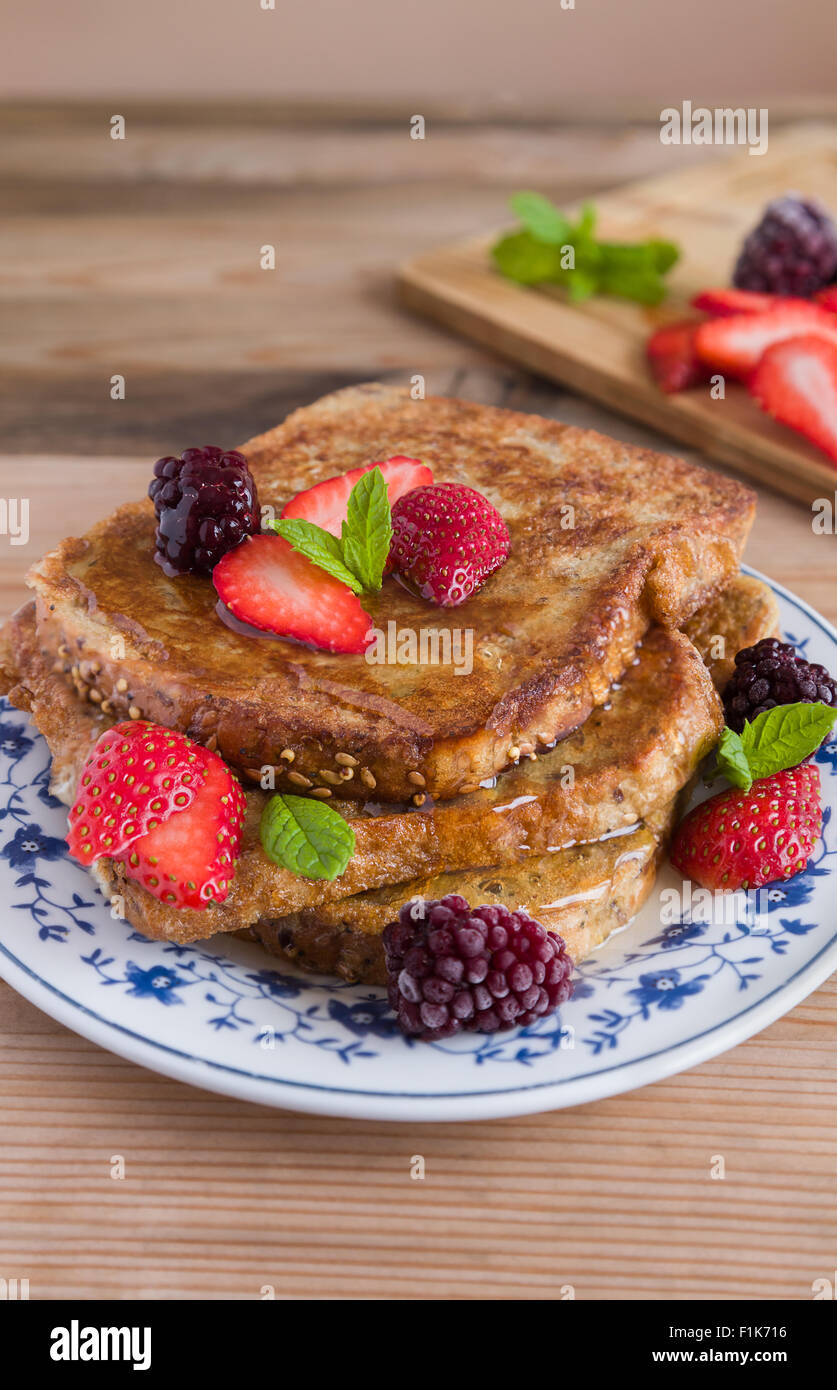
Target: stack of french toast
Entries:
(544, 772)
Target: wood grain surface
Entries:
(147, 267)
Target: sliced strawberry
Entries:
(671, 353)
(723, 303)
(734, 345)
(137, 775)
(265, 583)
(827, 298)
(189, 860)
(326, 503)
(796, 383)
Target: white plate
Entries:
(654, 1000)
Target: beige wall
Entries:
(601, 56)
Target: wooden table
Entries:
(142, 259)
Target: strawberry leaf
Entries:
(319, 546)
(306, 837)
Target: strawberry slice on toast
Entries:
(268, 584)
(327, 502)
(734, 345)
(796, 383)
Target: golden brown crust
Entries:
(584, 894)
(737, 618)
(651, 539)
(632, 755)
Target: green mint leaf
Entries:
(523, 258)
(586, 224)
(581, 285)
(732, 761)
(540, 217)
(307, 837)
(367, 530)
(665, 254)
(782, 737)
(319, 546)
(642, 287)
(621, 258)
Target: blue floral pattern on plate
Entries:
(656, 998)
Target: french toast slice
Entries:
(584, 893)
(632, 756)
(606, 539)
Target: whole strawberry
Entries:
(744, 839)
(446, 540)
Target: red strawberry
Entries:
(827, 298)
(674, 362)
(265, 583)
(446, 540)
(735, 345)
(796, 383)
(723, 303)
(326, 503)
(746, 839)
(189, 859)
(137, 775)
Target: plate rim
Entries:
(399, 1106)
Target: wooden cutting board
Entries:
(598, 348)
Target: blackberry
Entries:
(771, 673)
(792, 251)
(205, 503)
(451, 969)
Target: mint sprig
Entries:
(541, 217)
(367, 530)
(306, 837)
(536, 255)
(777, 739)
(320, 546)
(358, 556)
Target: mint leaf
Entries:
(540, 217)
(644, 287)
(581, 285)
(367, 530)
(357, 558)
(665, 254)
(782, 737)
(586, 224)
(306, 836)
(523, 258)
(532, 256)
(732, 761)
(319, 546)
(622, 257)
